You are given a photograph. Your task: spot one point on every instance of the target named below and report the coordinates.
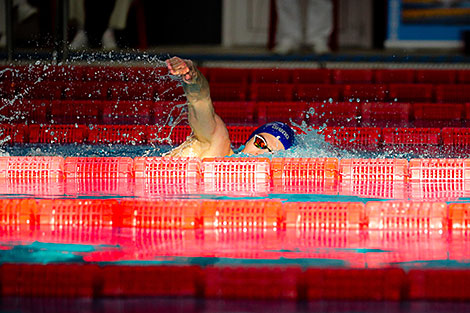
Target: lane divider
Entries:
(150, 177)
(238, 170)
(236, 214)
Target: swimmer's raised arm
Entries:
(201, 114)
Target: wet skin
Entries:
(210, 137)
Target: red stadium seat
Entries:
(386, 114)
(453, 93)
(411, 92)
(362, 92)
(317, 92)
(239, 134)
(456, 141)
(116, 134)
(146, 74)
(24, 111)
(168, 90)
(436, 76)
(86, 91)
(167, 112)
(362, 76)
(228, 75)
(58, 134)
(42, 90)
(467, 112)
(272, 75)
(104, 73)
(12, 134)
(35, 74)
(76, 111)
(334, 113)
(126, 112)
(61, 73)
(6, 73)
(271, 92)
(282, 111)
(166, 134)
(27, 73)
(311, 76)
(392, 76)
(7, 90)
(229, 91)
(438, 114)
(131, 91)
(412, 140)
(359, 138)
(463, 77)
(236, 112)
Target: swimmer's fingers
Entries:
(191, 71)
(177, 66)
(188, 77)
(183, 68)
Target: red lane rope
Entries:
(236, 214)
(279, 171)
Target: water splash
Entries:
(309, 143)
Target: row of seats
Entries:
(170, 90)
(237, 75)
(295, 171)
(167, 90)
(235, 214)
(346, 92)
(356, 289)
(106, 134)
(362, 138)
(338, 76)
(399, 114)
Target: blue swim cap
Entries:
(280, 130)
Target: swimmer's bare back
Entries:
(209, 136)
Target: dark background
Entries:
(176, 22)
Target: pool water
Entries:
(300, 242)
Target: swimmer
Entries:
(209, 136)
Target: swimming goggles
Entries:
(260, 143)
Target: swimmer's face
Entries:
(262, 143)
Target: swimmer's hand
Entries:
(183, 68)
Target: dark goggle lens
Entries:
(260, 142)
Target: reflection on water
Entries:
(180, 188)
(319, 247)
